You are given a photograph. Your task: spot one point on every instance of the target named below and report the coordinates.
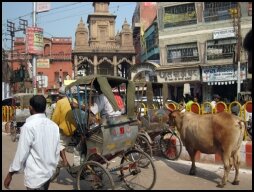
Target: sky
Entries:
(62, 19)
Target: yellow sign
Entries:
(67, 82)
(43, 63)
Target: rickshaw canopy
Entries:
(106, 84)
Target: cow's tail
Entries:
(242, 126)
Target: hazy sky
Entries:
(62, 19)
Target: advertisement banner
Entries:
(42, 6)
(34, 40)
(43, 63)
(222, 73)
(224, 33)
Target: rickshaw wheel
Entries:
(93, 176)
(135, 175)
(143, 144)
(13, 132)
(170, 145)
(55, 174)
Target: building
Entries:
(98, 50)
(53, 65)
(145, 37)
(197, 42)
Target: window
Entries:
(221, 49)
(180, 15)
(182, 53)
(218, 11)
(150, 41)
(47, 50)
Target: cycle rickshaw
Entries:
(19, 111)
(156, 133)
(113, 137)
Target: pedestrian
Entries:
(216, 99)
(188, 101)
(195, 99)
(68, 77)
(64, 118)
(38, 148)
(60, 81)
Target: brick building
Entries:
(55, 63)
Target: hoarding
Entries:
(34, 40)
(42, 6)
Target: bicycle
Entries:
(166, 141)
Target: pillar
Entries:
(95, 62)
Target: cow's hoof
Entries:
(192, 173)
(235, 182)
(220, 185)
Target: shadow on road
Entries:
(184, 169)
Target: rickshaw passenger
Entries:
(102, 105)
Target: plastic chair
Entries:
(235, 104)
(171, 106)
(206, 108)
(220, 107)
(195, 108)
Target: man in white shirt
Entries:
(38, 148)
(103, 106)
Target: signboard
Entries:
(34, 40)
(179, 75)
(42, 6)
(42, 81)
(223, 33)
(222, 73)
(43, 63)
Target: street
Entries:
(171, 175)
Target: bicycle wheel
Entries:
(134, 174)
(170, 145)
(143, 144)
(13, 133)
(93, 176)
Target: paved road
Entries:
(170, 174)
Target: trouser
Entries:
(65, 141)
(45, 186)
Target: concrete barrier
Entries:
(245, 154)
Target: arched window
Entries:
(47, 50)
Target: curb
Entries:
(245, 155)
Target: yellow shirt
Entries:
(63, 117)
(188, 105)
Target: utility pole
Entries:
(33, 55)
(11, 29)
(236, 14)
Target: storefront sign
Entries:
(178, 75)
(34, 40)
(43, 63)
(224, 33)
(222, 73)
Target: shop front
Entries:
(177, 78)
(222, 80)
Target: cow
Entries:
(220, 133)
